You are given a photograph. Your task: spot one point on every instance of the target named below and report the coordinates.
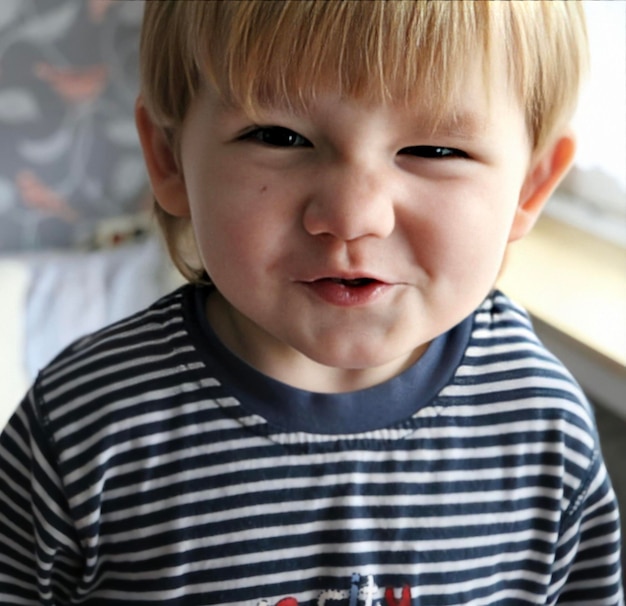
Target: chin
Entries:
(364, 359)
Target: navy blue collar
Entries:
(292, 409)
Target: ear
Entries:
(545, 174)
(166, 177)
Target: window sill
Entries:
(574, 286)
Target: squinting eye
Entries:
(277, 136)
(431, 151)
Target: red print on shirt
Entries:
(405, 599)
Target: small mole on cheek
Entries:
(263, 189)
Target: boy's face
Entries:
(343, 240)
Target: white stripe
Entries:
(469, 370)
(129, 363)
(424, 500)
(119, 386)
(355, 548)
(111, 429)
(452, 522)
(132, 327)
(505, 385)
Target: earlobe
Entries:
(165, 175)
(542, 179)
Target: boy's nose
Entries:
(349, 203)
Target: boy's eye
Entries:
(277, 136)
(434, 152)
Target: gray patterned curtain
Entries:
(69, 153)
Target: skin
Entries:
(282, 204)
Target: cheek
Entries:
(464, 230)
(224, 239)
(485, 238)
(238, 233)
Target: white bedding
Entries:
(14, 282)
(48, 300)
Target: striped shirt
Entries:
(136, 473)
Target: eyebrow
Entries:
(464, 125)
(457, 122)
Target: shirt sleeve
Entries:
(39, 555)
(587, 568)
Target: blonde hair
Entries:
(257, 52)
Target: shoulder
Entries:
(123, 393)
(505, 361)
(505, 351)
(139, 353)
(499, 316)
(510, 389)
(122, 339)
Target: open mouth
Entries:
(349, 292)
(356, 282)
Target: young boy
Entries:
(338, 408)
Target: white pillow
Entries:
(14, 381)
(48, 299)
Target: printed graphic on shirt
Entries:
(363, 591)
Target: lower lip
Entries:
(343, 295)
